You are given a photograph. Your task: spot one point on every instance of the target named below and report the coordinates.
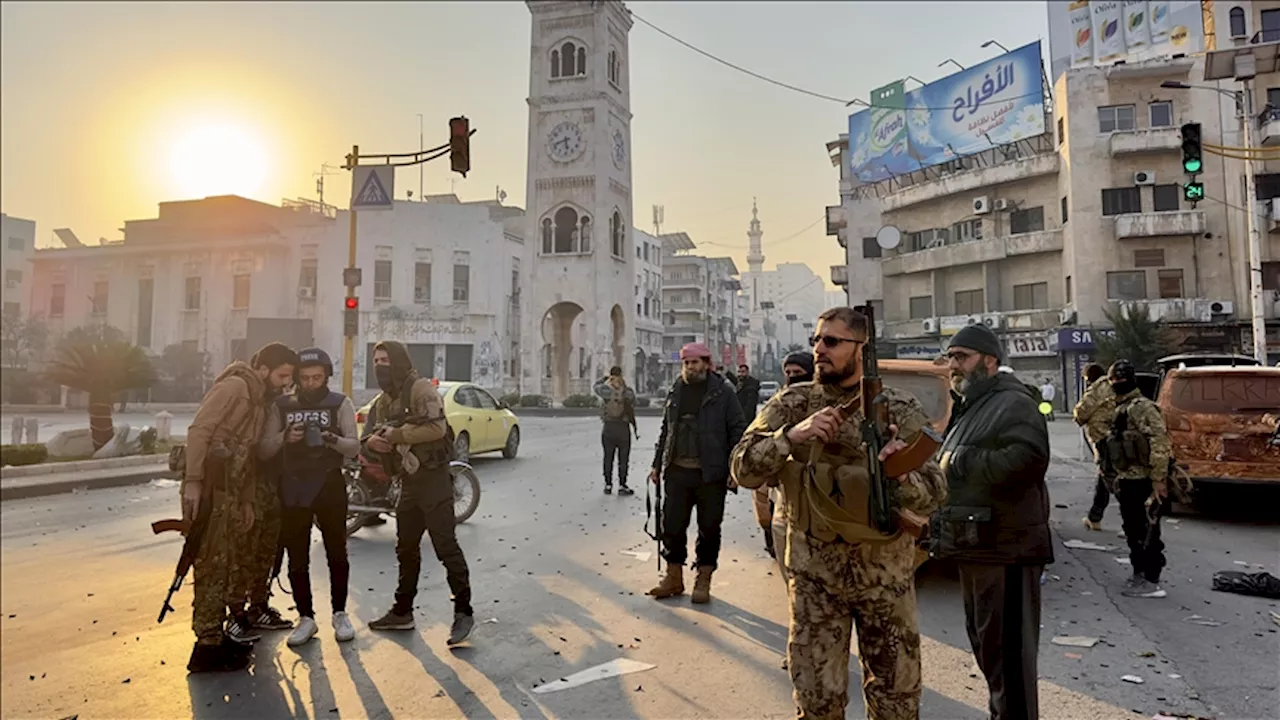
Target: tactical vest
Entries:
(827, 487)
(615, 408)
(301, 461)
(1125, 448)
(431, 455)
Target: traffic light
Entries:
(351, 317)
(460, 145)
(1193, 191)
(1192, 156)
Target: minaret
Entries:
(755, 256)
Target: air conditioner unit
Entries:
(981, 205)
(1144, 177)
(991, 321)
(1066, 317)
(930, 326)
(1222, 307)
(1275, 211)
(973, 320)
(1001, 205)
(307, 292)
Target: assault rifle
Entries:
(194, 531)
(875, 432)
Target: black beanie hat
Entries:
(979, 338)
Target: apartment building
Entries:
(700, 298)
(19, 237)
(649, 375)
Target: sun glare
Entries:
(212, 160)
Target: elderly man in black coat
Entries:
(995, 522)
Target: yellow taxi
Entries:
(480, 423)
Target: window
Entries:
(422, 283)
(966, 231)
(870, 248)
(1034, 296)
(568, 234)
(17, 243)
(57, 299)
(461, 283)
(12, 309)
(615, 68)
(101, 293)
(969, 302)
(307, 275)
(1025, 221)
(146, 296)
(1273, 101)
(1270, 25)
(1236, 17)
(192, 301)
(1152, 257)
(1062, 135)
(1161, 113)
(921, 307)
(485, 400)
(1069, 294)
(1064, 209)
(1115, 117)
(1117, 201)
(12, 278)
(1127, 285)
(1166, 197)
(240, 292)
(382, 280)
(925, 239)
(617, 234)
(1271, 275)
(1170, 282)
(568, 60)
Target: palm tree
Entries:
(100, 361)
(1138, 339)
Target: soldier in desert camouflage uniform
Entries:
(841, 570)
(1094, 413)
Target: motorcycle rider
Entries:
(312, 432)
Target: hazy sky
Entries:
(100, 102)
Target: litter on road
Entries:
(1201, 620)
(1124, 561)
(642, 556)
(1075, 641)
(1083, 545)
(164, 483)
(613, 668)
(1260, 584)
(1132, 679)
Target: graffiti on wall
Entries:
(486, 366)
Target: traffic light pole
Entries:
(1255, 238)
(348, 341)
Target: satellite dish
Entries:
(888, 237)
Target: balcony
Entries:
(1160, 224)
(840, 275)
(671, 282)
(974, 180)
(1269, 128)
(1153, 140)
(909, 329)
(1019, 320)
(1183, 309)
(977, 251)
(686, 306)
(835, 219)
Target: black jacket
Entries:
(720, 427)
(748, 396)
(995, 457)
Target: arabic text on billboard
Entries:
(995, 103)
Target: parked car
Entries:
(480, 423)
(1224, 422)
(768, 388)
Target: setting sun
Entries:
(218, 159)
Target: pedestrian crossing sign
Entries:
(372, 187)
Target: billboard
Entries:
(1083, 33)
(995, 103)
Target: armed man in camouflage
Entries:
(1136, 454)
(842, 571)
(618, 422)
(1094, 412)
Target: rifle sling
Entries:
(834, 517)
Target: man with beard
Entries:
(748, 391)
(995, 523)
(701, 423)
(1094, 411)
(841, 571)
(311, 433)
(410, 432)
(798, 368)
(218, 483)
(618, 422)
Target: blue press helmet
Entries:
(315, 356)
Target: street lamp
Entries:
(953, 62)
(989, 43)
(791, 318)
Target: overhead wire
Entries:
(770, 243)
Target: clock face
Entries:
(619, 149)
(564, 143)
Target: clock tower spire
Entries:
(755, 255)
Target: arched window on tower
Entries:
(615, 68)
(1236, 17)
(582, 61)
(617, 234)
(546, 236)
(566, 232)
(555, 63)
(567, 54)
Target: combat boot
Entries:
(672, 583)
(216, 658)
(702, 585)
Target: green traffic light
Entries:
(1192, 165)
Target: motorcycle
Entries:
(372, 492)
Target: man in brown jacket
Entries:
(219, 478)
(410, 434)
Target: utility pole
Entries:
(324, 170)
(1255, 239)
(421, 146)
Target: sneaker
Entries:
(241, 632)
(304, 632)
(1091, 524)
(608, 488)
(624, 490)
(267, 618)
(1144, 588)
(393, 621)
(342, 630)
(462, 627)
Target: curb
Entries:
(74, 466)
(104, 479)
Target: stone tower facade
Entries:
(581, 295)
(755, 254)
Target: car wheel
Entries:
(513, 444)
(462, 446)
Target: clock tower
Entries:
(580, 287)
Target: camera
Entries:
(312, 435)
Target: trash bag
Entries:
(1260, 584)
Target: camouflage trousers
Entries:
(261, 543)
(834, 586)
(214, 571)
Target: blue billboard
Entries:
(996, 103)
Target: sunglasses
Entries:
(832, 341)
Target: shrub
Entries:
(582, 401)
(147, 438)
(31, 454)
(511, 399)
(535, 401)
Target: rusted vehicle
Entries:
(1224, 422)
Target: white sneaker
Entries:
(342, 629)
(305, 631)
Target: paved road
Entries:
(81, 579)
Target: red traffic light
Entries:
(460, 145)
(353, 303)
